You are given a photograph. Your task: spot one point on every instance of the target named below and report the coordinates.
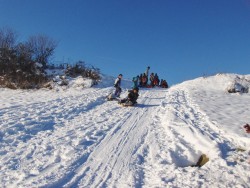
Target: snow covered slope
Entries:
(75, 138)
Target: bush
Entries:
(22, 65)
(80, 69)
(23, 77)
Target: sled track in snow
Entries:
(108, 164)
(202, 128)
(201, 123)
(72, 125)
(30, 124)
(98, 136)
(177, 128)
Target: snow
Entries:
(73, 137)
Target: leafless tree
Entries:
(42, 48)
(23, 53)
(8, 38)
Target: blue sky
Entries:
(178, 39)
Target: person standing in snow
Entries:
(117, 85)
(147, 74)
(147, 71)
(144, 80)
(140, 80)
(135, 81)
(152, 78)
(156, 80)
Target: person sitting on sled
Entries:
(164, 84)
(132, 97)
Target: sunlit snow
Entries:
(72, 137)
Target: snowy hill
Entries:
(75, 138)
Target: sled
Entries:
(127, 104)
(113, 99)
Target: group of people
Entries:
(144, 80)
(138, 81)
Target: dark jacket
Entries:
(132, 96)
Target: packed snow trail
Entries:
(113, 162)
(79, 130)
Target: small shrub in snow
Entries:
(80, 69)
(61, 80)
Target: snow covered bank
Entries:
(75, 138)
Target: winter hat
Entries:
(136, 88)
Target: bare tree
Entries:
(42, 48)
(17, 67)
(8, 38)
(23, 53)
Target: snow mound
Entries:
(239, 85)
(80, 82)
(221, 82)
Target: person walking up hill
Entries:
(117, 85)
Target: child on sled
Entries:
(131, 99)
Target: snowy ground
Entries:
(75, 138)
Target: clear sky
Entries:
(178, 39)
